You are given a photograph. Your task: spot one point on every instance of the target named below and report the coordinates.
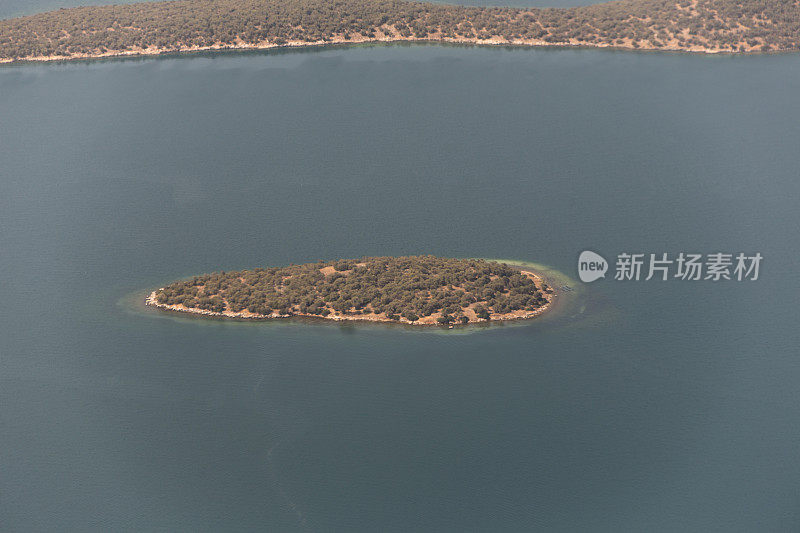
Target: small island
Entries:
(152, 28)
(418, 290)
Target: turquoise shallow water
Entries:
(643, 407)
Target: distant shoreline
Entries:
(188, 50)
(185, 26)
(151, 301)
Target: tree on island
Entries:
(412, 289)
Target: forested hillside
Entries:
(156, 27)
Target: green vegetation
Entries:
(710, 25)
(417, 289)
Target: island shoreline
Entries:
(151, 301)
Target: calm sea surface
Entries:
(639, 406)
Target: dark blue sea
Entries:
(633, 406)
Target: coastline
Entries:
(181, 50)
(430, 321)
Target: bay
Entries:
(641, 406)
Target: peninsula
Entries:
(420, 290)
(151, 28)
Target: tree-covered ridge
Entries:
(710, 25)
(415, 289)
